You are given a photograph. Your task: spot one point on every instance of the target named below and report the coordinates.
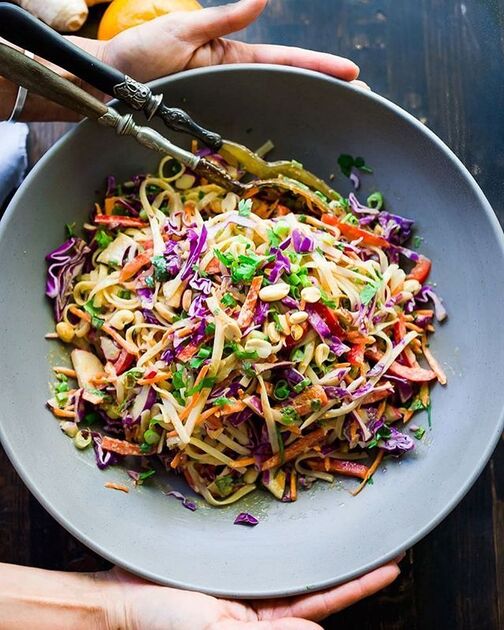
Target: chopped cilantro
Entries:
(90, 308)
(248, 370)
(178, 381)
(210, 329)
(347, 162)
(297, 355)
(383, 433)
(124, 294)
(70, 229)
(222, 401)
(416, 405)
(225, 485)
(207, 382)
(103, 239)
(133, 375)
(419, 433)
(143, 476)
(225, 259)
(326, 300)
(145, 448)
(368, 292)
(417, 241)
(160, 271)
(370, 481)
(149, 282)
(228, 300)
(91, 418)
(245, 207)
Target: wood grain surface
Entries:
(443, 60)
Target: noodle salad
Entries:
(239, 342)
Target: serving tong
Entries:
(22, 29)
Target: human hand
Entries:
(183, 40)
(140, 605)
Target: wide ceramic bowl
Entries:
(327, 536)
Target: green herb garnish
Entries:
(228, 300)
(347, 162)
(207, 382)
(91, 309)
(282, 390)
(225, 485)
(245, 207)
(301, 385)
(160, 268)
(149, 282)
(70, 229)
(222, 401)
(124, 294)
(103, 239)
(419, 433)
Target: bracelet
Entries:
(22, 93)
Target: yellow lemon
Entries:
(123, 14)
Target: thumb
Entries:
(199, 27)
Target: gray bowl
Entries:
(327, 536)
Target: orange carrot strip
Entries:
(132, 267)
(120, 446)
(407, 415)
(176, 460)
(64, 370)
(194, 399)
(62, 413)
(207, 414)
(116, 486)
(371, 471)
(295, 449)
(106, 328)
(293, 485)
(338, 467)
(159, 378)
(110, 203)
(188, 352)
(247, 310)
(234, 407)
(243, 462)
(302, 403)
(433, 364)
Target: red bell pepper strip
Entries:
(330, 318)
(124, 360)
(356, 354)
(421, 270)
(352, 232)
(116, 221)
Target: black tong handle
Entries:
(22, 29)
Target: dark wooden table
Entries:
(443, 60)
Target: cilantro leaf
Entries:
(207, 382)
(225, 259)
(222, 401)
(160, 268)
(103, 239)
(347, 162)
(368, 292)
(419, 433)
(91, 309)
(70, 229)
(245, 207)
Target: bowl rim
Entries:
(411, 540)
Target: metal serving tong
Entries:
(22, 29)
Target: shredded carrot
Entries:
(194, 398)
(433, 364)
(371, 471)
(234, 407)
(66, 371)
(302, 403)
(132, 267)
(407, 415)
(106, 328)
(243, 463)
(424, 394)
(412, 326)
(246, 314)
(213, 411)
(123, 447)
(110, 203)
(176, 460)
(116, 486)
(293, 485)
(158, 378)
(296, 448)
(381, 409)
(62, 413)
